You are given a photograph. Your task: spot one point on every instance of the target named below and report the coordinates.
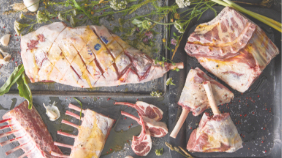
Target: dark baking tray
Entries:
(256, 113)
(55, 89)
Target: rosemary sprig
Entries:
(79, 102)
(172, 148)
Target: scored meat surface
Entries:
(85, 56)
(232, 47)
(194, 97)
(215, 134)
(30, 131)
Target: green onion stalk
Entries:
(276, 25)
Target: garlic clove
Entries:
(32, 5)
(4, 57)
(52, 112)
(5, 39)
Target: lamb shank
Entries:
(193, 97)
(232, 47)
(86, 57)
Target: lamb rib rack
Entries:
(30, 131)
(145, 109)
(86, 56)
(232, 47)
(215, 133)
(157, 129)
(92, 134)
(193, 97)
(142, 144)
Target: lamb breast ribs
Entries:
(232, 47)
(92, 134)
(30, 131)
(86, 56)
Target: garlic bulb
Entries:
(4, 57)
(32, 5)
(5, 39)
(52, 111)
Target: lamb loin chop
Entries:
(157, 129)
(233, 48)
(86, 56)
(193, 97)
(30, 131)
(215, 133)
(92, 134)
(145, 109)
(142, 144)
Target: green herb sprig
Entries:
(79, 102)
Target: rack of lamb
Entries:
(215, 133)
(86, 57)
(233, 48)
(193, 97)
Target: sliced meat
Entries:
(145, 109)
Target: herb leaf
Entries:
(18, 71)
(24, 90)
(79, 102)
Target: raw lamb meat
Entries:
(233, 48)
(193, 97)
(215, 133)
(145, 109)
(92, 134)
(30, 131)
(142, 144)
(86, 56)
(157, 129)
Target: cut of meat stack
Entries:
(193, 97)
(86, 56)
(30, 131)
(233, 48)
(215, 133)
(92, 134)
(149, 117)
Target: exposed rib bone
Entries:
(66, 134)
(6, 126)
(126, 103)
(15, 149)
(176, 65)
(10, 141)
(5, 120)
(180, 122)
(72, 114)
(59, 155)
(27, 153)
(71, 106)
(70, 124)
(8, 133)
(63, 145)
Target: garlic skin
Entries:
(5, 39)
(4, 57)
(32, 5)
(52, 112)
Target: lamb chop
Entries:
(142, 144)
(233, 48)
(193, 97)
(86, 56)
(215, 133)
(92, 134)
(157, 129)
(30, 131)
(145, 109)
